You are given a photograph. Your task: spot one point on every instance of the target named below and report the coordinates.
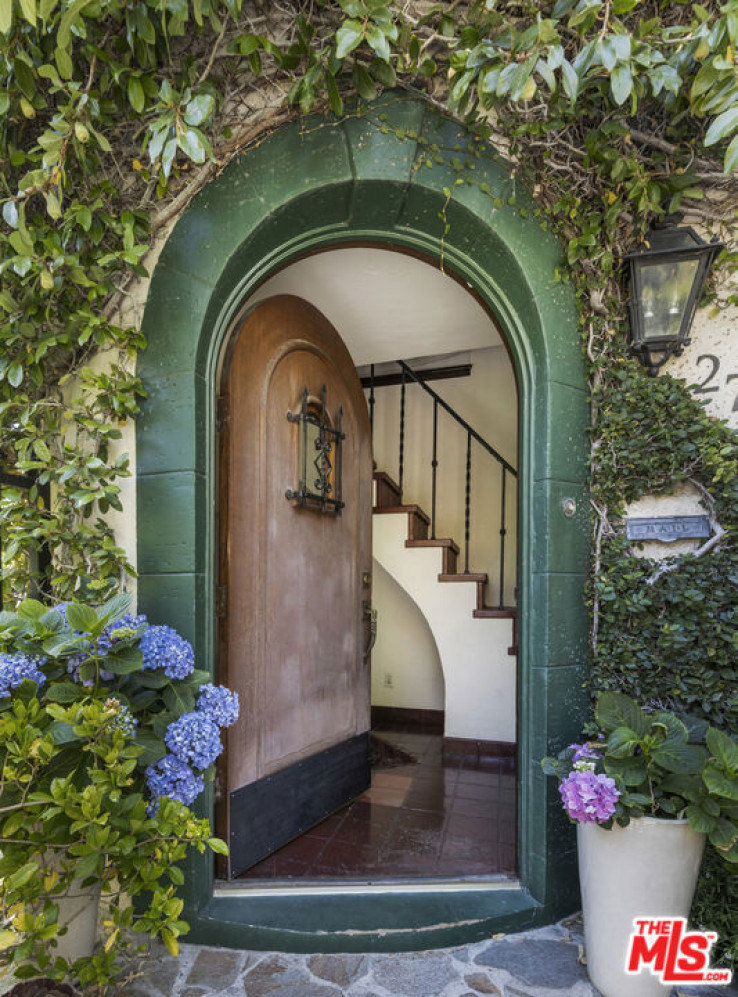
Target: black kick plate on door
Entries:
(267, 814)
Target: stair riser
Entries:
(417, 527)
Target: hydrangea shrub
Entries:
(117, 708)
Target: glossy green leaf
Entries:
(679, 758)
(14, 374)
(10, 213)
(136, 96)
(348, 37)
(378, 41)
(363, 83)
(190, 142)
(81, 617)
(621, 84)
(570, 80)
(28, 8)
(6, 15)
(199, 109)
(723, 748)
(615, 710)
(725, 124)
(731, 156)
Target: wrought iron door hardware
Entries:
(319, 455)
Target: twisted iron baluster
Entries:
(467, 511)
(402, 434)
(371, 398)
(434, 465)
(503, 531)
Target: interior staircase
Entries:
(387, 503)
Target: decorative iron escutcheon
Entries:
(319, 455)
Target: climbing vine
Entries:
(613, 113)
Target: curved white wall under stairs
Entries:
(406, 666)
(478, 670)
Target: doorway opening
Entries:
(442, 802)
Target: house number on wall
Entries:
(710, 367)
(714, 378)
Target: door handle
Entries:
(370, 615)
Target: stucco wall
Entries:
(406, 667)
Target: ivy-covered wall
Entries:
(612, 113)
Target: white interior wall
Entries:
(404, 650)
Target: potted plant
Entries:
(108, 734)
(645, 790)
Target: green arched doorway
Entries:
(367, 179)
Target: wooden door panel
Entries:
(291, 642)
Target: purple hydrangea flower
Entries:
(173, 778)
(14, 668)
(163, 647)
(194, 738)
(584, 753)
(218, 703)
(589, 797)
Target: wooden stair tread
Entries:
(461, 577)
(492, 613)
(412, 509)
(438, 542)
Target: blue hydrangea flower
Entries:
(73, 665)
(194, 738)
(14, 668)
(163, 647)
(218, 703)
(130, 621)
(123, 719)
(173, 778)
(105, 642)
(61, 609)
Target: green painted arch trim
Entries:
(307, 188)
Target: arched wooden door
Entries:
(294, 576)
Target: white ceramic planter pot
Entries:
(78, 912)
(647, 869)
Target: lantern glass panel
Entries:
(665, 294)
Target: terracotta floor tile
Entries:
(471, 827)
(476, 777)
(477, 791)
(475, 806)
(388, 796)
(366, 812)
(303, 849)
(419, 820)
(391, 778)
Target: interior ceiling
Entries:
(386, 305)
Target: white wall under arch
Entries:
(405, 650)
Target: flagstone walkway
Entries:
(541, 963)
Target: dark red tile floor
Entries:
(434, 818)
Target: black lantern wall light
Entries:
(666, 281)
